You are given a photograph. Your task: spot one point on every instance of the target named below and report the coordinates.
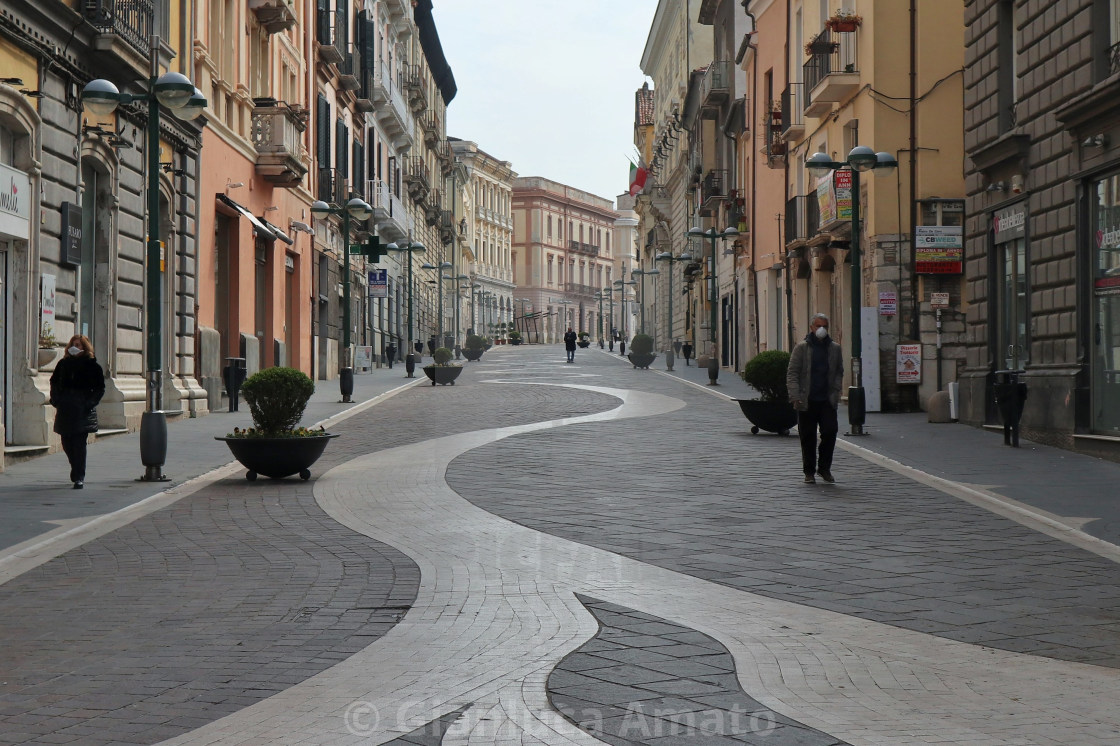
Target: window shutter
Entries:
(342, 149)
(323, 21)
(360, 171)
(323, 132)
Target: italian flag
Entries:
(637, 179)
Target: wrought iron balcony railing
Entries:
(131, 20)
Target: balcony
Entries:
(274, 15)
(447, 229)
(793, 112)
(774, 151)
(417, 177)
(830, 74)
(660, 201)
(389, 215)
(398, 10)
(332, 186)
(432, 125)
(350, 69)
(579, 247)
(327, 36)
(433, 207)
(713, 189)
(278, 137)
(124, 28)
(802, 218)
(715, 89)
(392, 113)
(577, 288)
(364, 101)
(413, 84)
(446, 157)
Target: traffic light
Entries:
(374, 249)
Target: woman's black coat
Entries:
(77, 385)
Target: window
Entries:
(549, 228)
(1007, 53)
(550, 270)
(1011, 292)
(1105, 305)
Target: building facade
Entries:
(564, 244)
(1042, 129)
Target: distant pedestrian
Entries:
(814, 379)
(419, 348)
(391, 353)
(77, 385)
(686, 349)
(570, 344)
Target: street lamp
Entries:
(642, 273)
(176, 92)
(599, 297)
(458, 302)
(439, 289)
(621, 285)
(861, 158)
(667, 256)
(412, 247)
(476, 297)
(713, 293)
(358, 209)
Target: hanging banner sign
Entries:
(939, 249)
(826, 200)
(379, 283)
(843, 182)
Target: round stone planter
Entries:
(472, 353)
(442, 374)
(771, 416)
(278, 457)
(641, 359)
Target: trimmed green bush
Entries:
(766, 372)
(475, 342)
(442, 356)
(641, 344)
(277, 398)
(515, 334)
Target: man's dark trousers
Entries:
(820, 414)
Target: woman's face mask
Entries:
(74, 350)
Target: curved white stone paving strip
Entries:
(496, 610)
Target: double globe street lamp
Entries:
(439, 290)
(667, 256)
(177, 93)
(410, 248)
(621, 285)
(860, 159)
(713, 294)
(642, 273)
(359, 210)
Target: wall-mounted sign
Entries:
(939, 249)
(70, 235)
(46, 305)
(938, 300)
(379, 283)
(888, 303)
(908, 368)
(15, 203)
(1010, 223)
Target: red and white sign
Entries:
(888, 303)
(909, 363)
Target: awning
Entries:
(258, 226)
(278, 232)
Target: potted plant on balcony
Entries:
(844, 21)
(474, 347)
(442, 370)
(641, 351)
(584, 340)
(772, 411)
(275, 446)
(820, 46)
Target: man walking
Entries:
(570, 344)
(814, 379)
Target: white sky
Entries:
(548, 85)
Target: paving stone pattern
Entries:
(694, 492)
(643, 680)
(225, 598)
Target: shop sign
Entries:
(46, 313)
(71, 233)
(1010, 223)
(939, 249)
(15, 203)
(908, 368)
(938, 300)
(888, 303)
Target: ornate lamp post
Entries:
(642, 273)
(599, 297)
(458, 302)
(713, 295)
(667, 256)
(176, 92)
(358, 209)
(476, 298)
(622, 285)
(412, 247)
(439, 289)
(861, 158)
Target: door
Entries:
(1014, 306)
(5, 343)
(1105, 305)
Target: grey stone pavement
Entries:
(205, 609)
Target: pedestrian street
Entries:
(574, 554)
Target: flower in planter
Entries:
(47, 340)
(844, 20)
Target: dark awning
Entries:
(279, 233)
(433, 50)
(258, 227)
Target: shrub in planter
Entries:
(275, 446)
(641, 351)
(474, 347)
(442, 370)
(515, 337)
(766, 373)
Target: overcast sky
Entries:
(548, 85)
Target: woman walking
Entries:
(77, 385)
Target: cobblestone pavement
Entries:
(878, 610)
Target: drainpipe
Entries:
(754, 179)
(915, 300)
